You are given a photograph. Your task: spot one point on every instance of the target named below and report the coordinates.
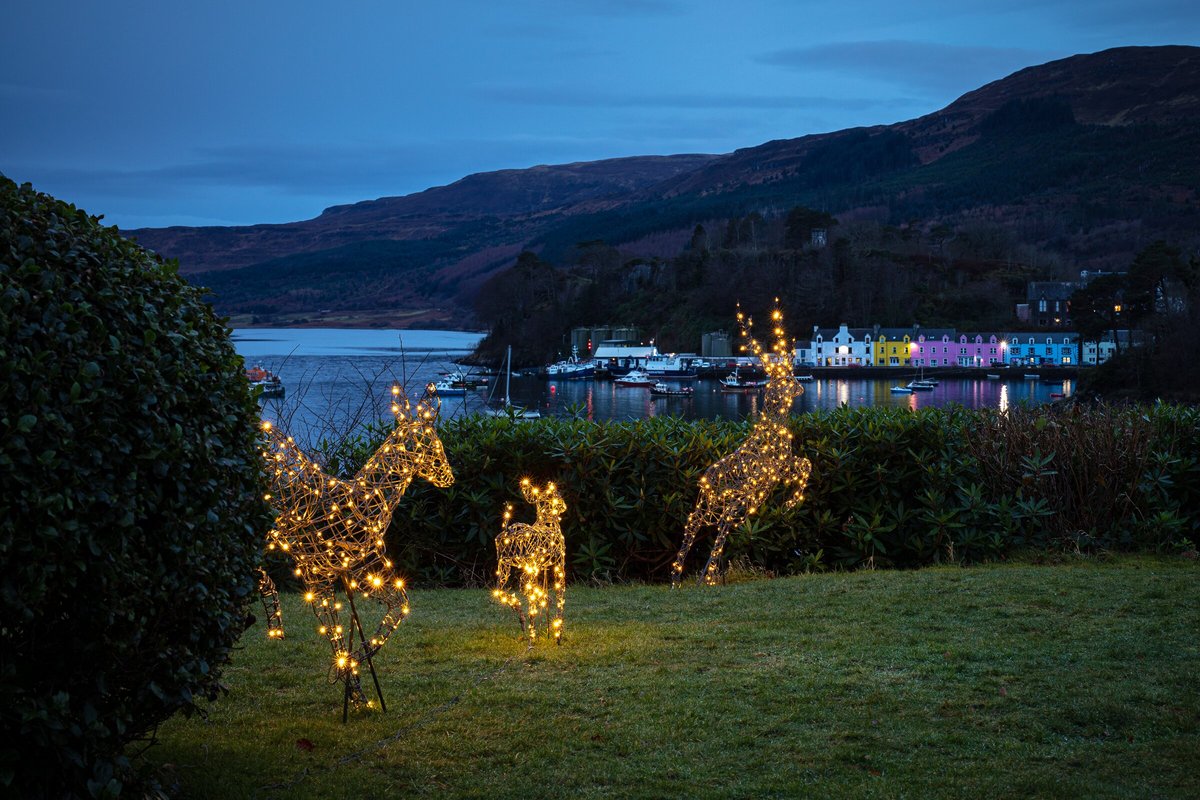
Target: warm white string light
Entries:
(333, 528)
(537, 553)
(735, 487)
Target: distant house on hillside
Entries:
(1047, 303)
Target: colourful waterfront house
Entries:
(892, 347)
(840, 347)
(980, 350)
(933, 347)
(1033, 348)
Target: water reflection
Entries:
(327, 393)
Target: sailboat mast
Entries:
(507, 375)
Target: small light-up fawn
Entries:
(735, 487)
(333, 528)
(538, 553)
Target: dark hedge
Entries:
(132, 513)
(889, 488)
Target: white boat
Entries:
(901, 390)
(508, 409)
(465, 380)
(735, 383)
(661, 389)
(669, 366)
(804, 377)
(920, 386)
(991, 376)
(635, 378)
(1031, 376)
(449, 389)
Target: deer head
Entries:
(782, 386)
(545, 499)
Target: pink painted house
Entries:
(932, 348)
(980, 350)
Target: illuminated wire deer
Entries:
(735, 487)
(333, 528)
(538, 553)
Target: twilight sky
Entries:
(155, 112)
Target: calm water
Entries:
(337, 379)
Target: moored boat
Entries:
(449, 389)
(572, 369)
(736, 383)
(661, 389)
(901, 390)
(635, 378)
(266, 382)
(920, 386)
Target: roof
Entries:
(1050, 290)
(621, 351)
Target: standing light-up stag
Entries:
(735, 487)
(333, 528)
(538, 553)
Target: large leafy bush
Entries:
(132, 510)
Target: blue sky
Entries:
(158, 112)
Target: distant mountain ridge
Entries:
(1090, 156)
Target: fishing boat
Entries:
(735, 383)
(508, 409)
(267, 383)
(661, 389)
(449, 389)
(572, 369)
(465, 380)
(635, 378)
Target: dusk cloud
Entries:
(574, 97)
(920, 65)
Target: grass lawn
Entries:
(1072, 680)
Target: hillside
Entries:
(1081, 161)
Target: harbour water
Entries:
(337, 380)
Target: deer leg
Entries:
(270, 601)
(695, 521)
(798, 473)
(560, 600)
(327, 608)
(712, 570)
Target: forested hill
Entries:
(1078, 163)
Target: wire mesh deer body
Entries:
(537, 552)
(734, 488)
(333, 528)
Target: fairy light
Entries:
(735, 488)
(333, 528)
(537, 554)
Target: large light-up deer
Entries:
(333, 528)
(735, 487)
(538, 553)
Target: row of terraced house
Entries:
(947, 347)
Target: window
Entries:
(962, 351)
(1042, 306)
(992, 351)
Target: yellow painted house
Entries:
(892, 347)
